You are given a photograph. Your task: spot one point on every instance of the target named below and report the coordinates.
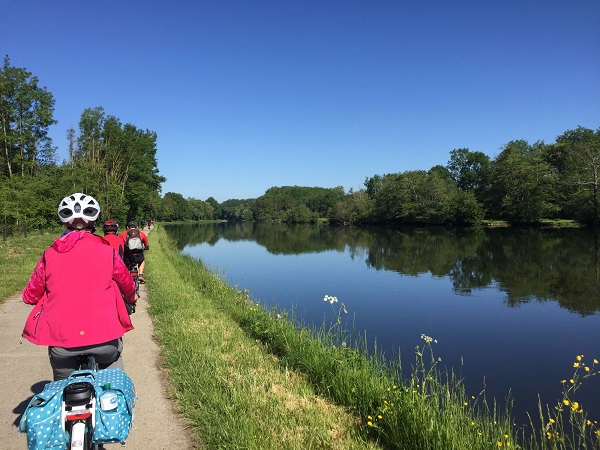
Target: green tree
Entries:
(174, 208)
(26, 113)
(471, 172)
(577, 158)
(523, 183)
(216, 209)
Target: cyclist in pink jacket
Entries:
(78, 315)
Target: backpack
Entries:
(134, 240)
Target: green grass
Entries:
(18, 257)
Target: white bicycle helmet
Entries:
(78, 210)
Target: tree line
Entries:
(523, 184)
(114, 162)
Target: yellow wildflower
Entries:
(499, 444)
(566, 402)
(587, 369)
(369, 417)
(552, 420)
(572, 381)
(380, 416)
(575, 365)
(578, 358)
(563, 381)
(595, 361)
(370, 423)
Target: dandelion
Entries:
(370, 423)
(566, 402)
(380, 417)
(499, 444)
(587, 369)
(572, 381)
(578, 358)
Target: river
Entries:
(510, 309)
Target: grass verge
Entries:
(18, 257)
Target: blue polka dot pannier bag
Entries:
(42, 420)
(114, 425)
(44, 424)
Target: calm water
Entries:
(514, 306)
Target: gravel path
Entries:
(25, 369)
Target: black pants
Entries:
(66, 360)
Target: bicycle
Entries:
(87, 410)
(133, 270)
(79, 409)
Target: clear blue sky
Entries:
(246, 95)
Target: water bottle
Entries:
(109, 399)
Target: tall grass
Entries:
(18, 257)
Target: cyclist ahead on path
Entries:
(136, 242)
(110, 229)
(76, 314)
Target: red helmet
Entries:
(110, 226)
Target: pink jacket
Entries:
(76, 289)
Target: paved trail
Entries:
(25, 369)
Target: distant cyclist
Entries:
(136, 242)
(110, 229)
(76, 289)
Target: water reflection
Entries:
(527, 265)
